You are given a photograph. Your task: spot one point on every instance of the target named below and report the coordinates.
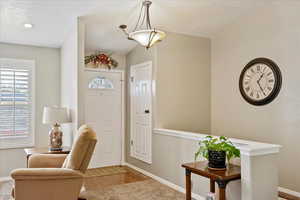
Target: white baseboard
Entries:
(163, 181)
(290, 192)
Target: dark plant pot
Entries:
(216, 159)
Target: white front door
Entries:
(103, 112)
(141, 111)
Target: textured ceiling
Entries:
(53, 19)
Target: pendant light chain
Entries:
(137, 24)
(144, 17)
(145, 12)
(148, 15)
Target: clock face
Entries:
(260, 81)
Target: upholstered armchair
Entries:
(56, 176)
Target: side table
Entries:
(222, 177)
(44, 150)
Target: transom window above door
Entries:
(16, 103)
(101, 83)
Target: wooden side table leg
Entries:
(188, 183)
(222, 194)
(222, 189)
(212, 186)
(27, 161)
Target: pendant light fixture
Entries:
(143, 33)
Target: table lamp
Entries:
(55, 116)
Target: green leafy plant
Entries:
(217, 144)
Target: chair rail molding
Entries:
(246, 147)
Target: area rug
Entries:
(142, 190)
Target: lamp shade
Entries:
(55, 115)
(147, 38)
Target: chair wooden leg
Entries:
(81, 199)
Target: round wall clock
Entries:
(260, 81)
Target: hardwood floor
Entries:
(116, 179)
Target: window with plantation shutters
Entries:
(16, 103)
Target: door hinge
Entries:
(132, 79)
(131, 142)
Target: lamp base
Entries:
(55, 136)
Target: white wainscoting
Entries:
(249, 148)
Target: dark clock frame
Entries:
(277, 85)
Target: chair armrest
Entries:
(46, 160)
(45, 173)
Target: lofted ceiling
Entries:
(53, 19)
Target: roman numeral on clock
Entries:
(258, 67)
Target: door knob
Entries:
(147, 111)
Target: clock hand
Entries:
(258, 82)
(261, 88)
(260, 77)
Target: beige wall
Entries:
(47, 93)
(271, 32)
(181, 70)
(182, 74)
(183, 83)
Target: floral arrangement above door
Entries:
(100, 60)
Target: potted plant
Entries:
(216, 150)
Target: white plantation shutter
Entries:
(16, 103)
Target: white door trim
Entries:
(123, 114)
(133, 67)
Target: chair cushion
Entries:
(82, 150)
